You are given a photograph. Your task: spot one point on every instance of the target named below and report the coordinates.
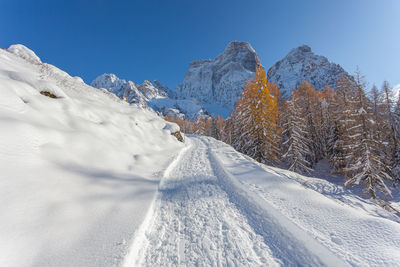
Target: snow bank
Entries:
(357, 235)
(171, 127)
(78, 173)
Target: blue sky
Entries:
(140, 40)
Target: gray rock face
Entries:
(301, 64)
(218, 83)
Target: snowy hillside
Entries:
(217, 84)
(77, 172)
(301, 64)
(89, 180)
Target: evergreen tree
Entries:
(296, 145)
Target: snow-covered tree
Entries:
(341, 108)
(297, 153)
(310, 109)
(364, 157)
(255, 120)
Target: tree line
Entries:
(358, 132)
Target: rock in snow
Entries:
(217, 84)
(301, 64)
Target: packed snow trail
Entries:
(197, 223)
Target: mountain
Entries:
(88, 180)
(213, 86)
(154, 95)
(217, 84)
(301, 64)
(139, 94)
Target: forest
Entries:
(357, 130)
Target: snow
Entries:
(89, 180)
(140, 93)
(218, 83)
(180, 108)
(218, 207)
(150, 94)
(301, 64)
(25, 53)
(356, 235)
(196, 224)
(396, 93)
(171, 127)
(78, 173)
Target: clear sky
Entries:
(150, 39)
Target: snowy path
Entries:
(197, 223)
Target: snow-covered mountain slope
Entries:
(77, 172)
(301, 64)
(217, 84)
(127, 89)
(150, 94)
(217, 207)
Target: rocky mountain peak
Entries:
(217, 84)
(301, 49)
(301, 64)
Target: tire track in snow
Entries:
(196, 224)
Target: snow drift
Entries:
(77, 172)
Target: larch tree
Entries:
(256, 119)
(341, 109)
(396, 117)
(308, 103)
(388, 129)
(365, 162)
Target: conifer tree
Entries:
(365, 163)
(296, 146)
(310, 109)
(396, 118)
(329, 127)
(388, 132)
(341, 107)
(200, 126)
(256, 120)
